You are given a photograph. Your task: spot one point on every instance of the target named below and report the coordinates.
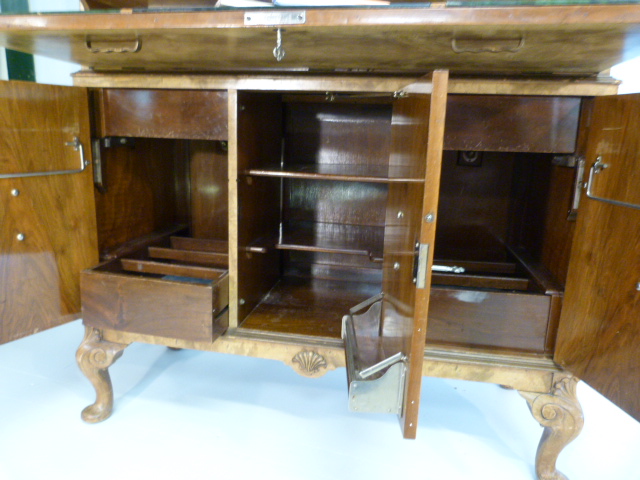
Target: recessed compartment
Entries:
(162, 215)
(315, 186)
(312, 201)
(500, 223)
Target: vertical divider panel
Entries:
(232, 188)
(256, 219)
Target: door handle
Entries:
(596, 168)
(77, 146)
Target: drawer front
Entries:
(504, 123)
(508, 320)
(154, 306)
(180, 114)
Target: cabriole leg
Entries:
(560, 414)
(94, 357)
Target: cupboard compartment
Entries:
(311, 207)
(161, 214)
(505, 223)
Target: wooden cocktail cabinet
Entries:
(440, 190)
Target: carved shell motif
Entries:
(309, 363)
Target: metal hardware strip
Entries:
(77, 146)
(596, 168)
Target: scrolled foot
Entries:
(560, 414)
(94, 357)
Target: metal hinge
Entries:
(420, 262)
(577, 162)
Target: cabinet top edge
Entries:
(428, 15)
(581, 87)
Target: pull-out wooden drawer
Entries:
(167, 292)
(486, 318)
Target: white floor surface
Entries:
(199, 415)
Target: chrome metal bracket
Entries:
(597, 168)
(377, 387)
(76, 144)
(447, 269)
(98, 174)
(578, 162)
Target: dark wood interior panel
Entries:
(146, 190)
(259, 142)
(539, 222)
(209, 190)
(322, 201)
(558, 229)
(516, 321)
(259, 130)
(502, 123)
(178, 114)
(337, 133)
(199, 244)
(473, 212)
(599, 325)
(308, 306)
(332, 266)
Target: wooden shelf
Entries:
(306, 306)
(346, 173)
(333, 238)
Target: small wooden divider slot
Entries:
(190, 256)
(162, 268)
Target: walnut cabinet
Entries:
(398, 222)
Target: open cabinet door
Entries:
(389, 336)
(47, 209)
(599, 334)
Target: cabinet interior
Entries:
(313, 176)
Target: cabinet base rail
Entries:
(549, 391)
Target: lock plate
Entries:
(273, 19)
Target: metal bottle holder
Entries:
(375, 385)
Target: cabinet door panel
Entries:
(48, 222)
(599, 334)
(416, 142)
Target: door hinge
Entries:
(420, 262)
(577, 162)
